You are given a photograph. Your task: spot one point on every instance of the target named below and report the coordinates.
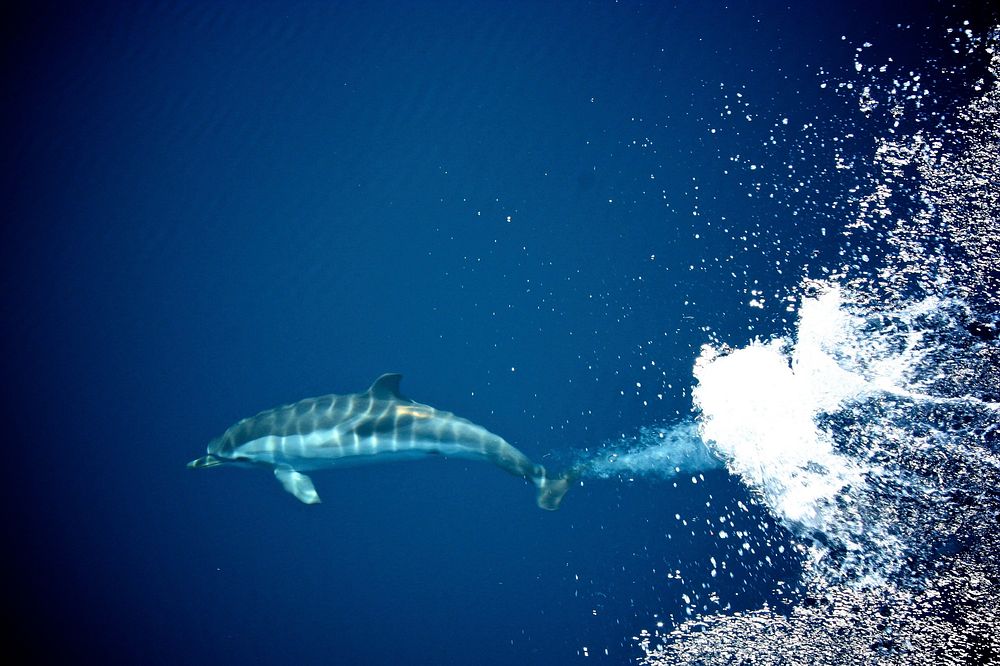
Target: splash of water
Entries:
(889, 475)
(758, 411)
(817, 425)
(871, 433)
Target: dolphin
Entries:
(378, 425)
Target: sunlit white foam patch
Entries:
(655, 451)
(762, 410)
(759, 415)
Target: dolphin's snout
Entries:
(205, 461)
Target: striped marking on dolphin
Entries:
(376, 426)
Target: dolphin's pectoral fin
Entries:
(297, 484)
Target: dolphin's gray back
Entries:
(303, 417)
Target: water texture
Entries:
(733, 264)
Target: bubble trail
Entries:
(662, 451)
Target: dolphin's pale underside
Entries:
(375, 426)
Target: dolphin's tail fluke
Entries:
(551, 489)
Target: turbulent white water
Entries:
(815, 424)
(870, 431)
(888, 479)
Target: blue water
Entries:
(213, 209)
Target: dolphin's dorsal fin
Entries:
(386, 387)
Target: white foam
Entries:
(758, 409)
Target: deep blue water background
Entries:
(212, 209)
